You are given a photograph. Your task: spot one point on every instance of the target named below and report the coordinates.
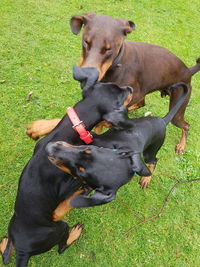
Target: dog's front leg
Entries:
(64, 207)
(41, 127)
(145, 180)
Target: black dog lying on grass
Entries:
(34, 228)
(118, 156)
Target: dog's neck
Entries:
(87, 112)
(116, 61)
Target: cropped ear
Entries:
(139, 166)
(128, 26)
(118, 118)
(127, 95)
(77, 21)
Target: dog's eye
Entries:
(107, 47)
(106, 50)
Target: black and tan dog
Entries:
(144, 67)
(36, 225)
(118, 156)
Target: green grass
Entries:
(38, 51)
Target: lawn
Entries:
(38, 51)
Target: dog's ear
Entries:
(127, 26)
(127, 94)
(139, 166)
(118, 116)
(77, 21)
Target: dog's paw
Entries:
(99, 127)
(179, 149)
(3, 244)
(145, 181)
(75, 233)
(41, 127)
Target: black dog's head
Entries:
(97, 166)
(110, 100)
(113, 103)
(69, 158)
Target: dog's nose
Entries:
(86, 76)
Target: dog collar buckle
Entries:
(79, 126)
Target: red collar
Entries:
(79, 126)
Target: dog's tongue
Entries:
(86, 76)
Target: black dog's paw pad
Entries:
(75, 233)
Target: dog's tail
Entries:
(194, 69)
(6, 255)
(174, 110)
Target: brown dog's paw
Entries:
(179, 149)
(145, 181)
(75, 234)
(3, 244)
(41, 127)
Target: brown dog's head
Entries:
(102, 39)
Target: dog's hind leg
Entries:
(139, 104)
(178, 119)
(70, 238)
(22, 259)
(151, 161)
(6, 250)
(145, 180)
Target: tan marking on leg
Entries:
(64, 207)
(41, 127)
(145, 180)
(139, 104)
(3, 245)
(99, 127)
(74, 234)
(181, 146)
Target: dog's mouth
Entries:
(59, 164)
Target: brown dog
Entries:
(145, 67)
